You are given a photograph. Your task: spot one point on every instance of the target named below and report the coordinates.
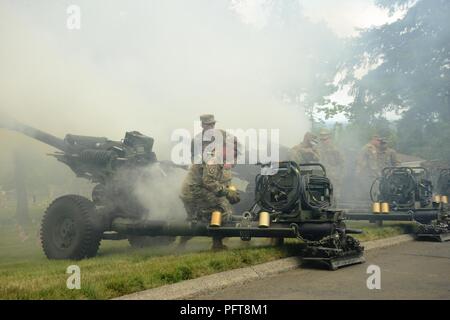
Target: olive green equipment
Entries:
(294, 202)
(73, 226)
(409, 190)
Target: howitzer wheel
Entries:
(146, 241)
(68, 229)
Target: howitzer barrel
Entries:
(158, 228)
(308, 231)
(44, 137)
(164, 228)
(425, 216)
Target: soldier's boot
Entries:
(277, 242)
(218, 244)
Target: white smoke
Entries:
(158, 191)
(154, 66)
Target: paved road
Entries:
(413, 270)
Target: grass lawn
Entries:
(118, 269)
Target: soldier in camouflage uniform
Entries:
(387, 157)
(207, 188)
(332, 159)
(368, 167)
(202, 140)
(367, 163)
(305, 152)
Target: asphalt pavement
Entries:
(412, 270)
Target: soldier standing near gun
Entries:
(331, 158)
(203, 139)
(387, 157)
(207, 187)
(305, 152)
(374, 157)
(367, 167)
(367, 163)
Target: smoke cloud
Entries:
(158, 191)
(151, 66)
(155, 66)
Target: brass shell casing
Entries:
(216, 219)
(376, 207)
(264, 219)
(385, 208)
(437, 199)
(444, 199)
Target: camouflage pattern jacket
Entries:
(387, 158)
(332, 159)
(303, 153)
(367, 163)
(204, 190)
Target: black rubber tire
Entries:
(83, 238)
(146, 241)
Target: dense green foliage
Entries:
(412, 77)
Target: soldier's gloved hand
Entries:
(233, 195)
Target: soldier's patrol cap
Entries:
(325, 133)
(207, 119)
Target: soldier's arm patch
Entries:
(212, 170)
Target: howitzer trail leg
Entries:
(335, 254)
(435, 232)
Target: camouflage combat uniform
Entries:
(333, 161)
(203, 142)
(204, 191)
(387, 158)
(305, 152)
(367, 164)
(367, 170)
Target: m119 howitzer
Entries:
(93, 158)
(301, 196)
(409, 190)
(73, 225)
(294, 202)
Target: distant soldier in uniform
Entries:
(201, 140)
(208, 188)
(331, 158)
(367, 163)
(368, 166)
(387, 157)
(305, 152)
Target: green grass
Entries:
(373, 232)
(118, 269)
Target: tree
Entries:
(408, 65)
